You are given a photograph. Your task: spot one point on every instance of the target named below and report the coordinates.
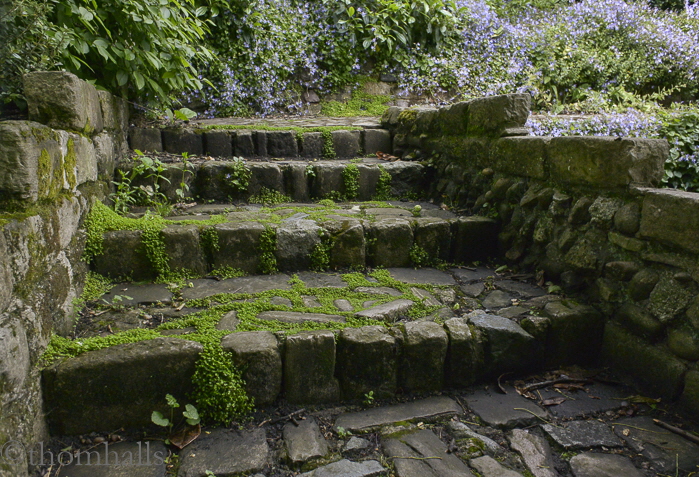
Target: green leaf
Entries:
(350, 11)
(140, 81)
(192, 415)
(185, 114)
(159, 420)
(171, 401)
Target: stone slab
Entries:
(472, 274)
(121, 459)
(304, 441)
(596, 397)
(347, 468)
(489, 467)
(428, 276)
(132, 295)
(576, 435)
(258, 355)
(423, 409)
(671, 216)
(535, 452)
(504, 411)
(225, 452)
(203, 288)
(413, 455)
(379, 291)
(591, 464)
(297, 317)
(462, 431)
(661, 447)
(387, 311)
(322, 280)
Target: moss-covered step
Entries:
(288, 237)
(239, 180)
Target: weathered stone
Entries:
(123, 256)
(428, 409)
(684, 342)
(346, 143)
(583, 255)
(298, 317)
(134, 295)
(426, 297)
(433, 235)
(146, 139)
(690, 396)
(348, 244)
(473, 289)
(669, 298)
(309, 368)
(218, 143)
(520, 156)
(295, 243)
(411, 456)
(391, 242)
(671, 216)
(282, 144)
(607, 162)
(627, 219)
(473, 238)
(506, 346)
(265, 175)
(177, 141)
(504, 411)
(104, 155)
(312, 145)
(640, 321)
(591, 464)
(621, 270)
(304, 441)
(62, 101)
(627, 243)
(225, 452)
(238, 245)
(667, 452)
(120, 459)
(429, 276)
(355, 444)
(489, 467)
(464, 354)
(328, 180)
(497, 299)
(490, 116)
(229, 321)
(576, 435)
(535, 452)
(322, 280)
(121, 385)
(183, 250)
(424, 353)
(642, 284)
(657, 370)
(258, 354)
(346, 468)
(377, 140)
(32, 164)
(575, 334)
(244, 144)
(367, 362)
(463, 431)
(389, 311)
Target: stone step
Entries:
(299, 180)
(225, 140)
(296, 237)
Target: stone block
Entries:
(346, 143)
(640, 322)
(146, 139)
(406, 177)
(282, 144)
(215, 181)
(473, 238)
(328, 180)
(389, 312)
(574, 335)
(303, 441)
(421, 368)
(348, 243)
(265, 175)
(452, 120)
(367, 361)
(225, 452)
(6, 277)
(506, 346)
(657, 370)
(296, 182)
(63, 101)
(607, 162)
(183, 248)
(110, 107)
(683, 341)
(368, 179)
(295, 242)
(464, 354)
(377, 140)
(492, 115)
(105, 156)
(244, 144)
(309, 368)
(258, 354)
(434, 236)
(389, 243)
(672, 217)
(31, 166)
(177, 141)
(389, 119)
(589, 464)
(690, 396)
(312, 145)
(123, 257)
(218, 143)
(120, 386)
(238, 245)
(260, 143)
(79, 159)
(520, 156)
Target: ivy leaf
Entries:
(159, 420)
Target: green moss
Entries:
(328, 147)
(266, 248)
(44, 173)
(360, 104)
(70, 165)
(350, 179)
(383, 186)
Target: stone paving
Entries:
(577, 425)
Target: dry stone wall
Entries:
(581, 211)
(52, 168)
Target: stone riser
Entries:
(311, 367)
(250, 143)
(301, 181)
(354, 242)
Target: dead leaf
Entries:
(185, 436)
(554, 401)
(386, 157)
(626, 432)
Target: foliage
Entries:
(238, 175)
(383, 186)
(350, 179)
(94, 287)
(360, 104)
(269, 197)
(419, 256)
(266, 248)
(682, 132)
(144, 169)
(190, 414)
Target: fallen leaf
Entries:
(554, 401)
(626, 432)
(185, 436)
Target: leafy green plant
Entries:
(147, 170)
(269, 197)
(266, 248)
(350, 179)
(419, 256)
(183, 190)
(368, 399)
(416, 210)
(190, 414)
(238, 175)
(383, 186)
(681, 129)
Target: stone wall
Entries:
(52, 168)
(583, 212)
